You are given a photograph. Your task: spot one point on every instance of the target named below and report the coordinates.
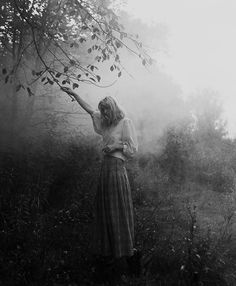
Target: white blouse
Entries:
(123, 132)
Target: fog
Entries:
(155, 96)
(183, 179)
(149, 96)
(201, 45)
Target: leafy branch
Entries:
(67, 31)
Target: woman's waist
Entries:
(116, 155)
(114, 158)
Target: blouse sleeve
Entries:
(130, 142)
(96, 117)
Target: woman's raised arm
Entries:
(81, 102)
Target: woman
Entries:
(114, 223)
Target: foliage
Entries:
(45, 212)
(45, 45)
(197, 149)
(46, 198)
(187, 255)
(68, 39)
(175, 158)
(207, 110)
(184, 205)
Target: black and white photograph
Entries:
(117, 143)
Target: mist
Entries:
(182, 179)
(201, 45)
(149, 94)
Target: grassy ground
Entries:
(185, 231)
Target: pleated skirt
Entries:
(113, 233)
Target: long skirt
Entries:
(114, 222)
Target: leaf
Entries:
(66, 69)
(78, 76)
(82, 40)
(43, 79)
(98, 78)
(30, 93)
(93, 68)
(6, 78)
(89, 50)
(38, 73)
(118, 44)
(64, 82)
(58, 74)
(98, 58)
(18, 87)
(65, 37)
(75, 85)
(96, 30)
(112, 68)
(72, 62)
(92, 79)
(4, 71)
(93, 37)
(50, 81)
(117, 58)
(119, 74)
(33, 72)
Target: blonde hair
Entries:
(114, 112)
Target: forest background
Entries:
(183, 178)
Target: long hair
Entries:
(110, 111)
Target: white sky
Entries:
(201, 44)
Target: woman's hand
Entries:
(108, 149)
(112, 147)
(68, 91)
(77, 97)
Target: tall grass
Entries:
(46, 201)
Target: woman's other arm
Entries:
(130, 143)
(81, 102)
